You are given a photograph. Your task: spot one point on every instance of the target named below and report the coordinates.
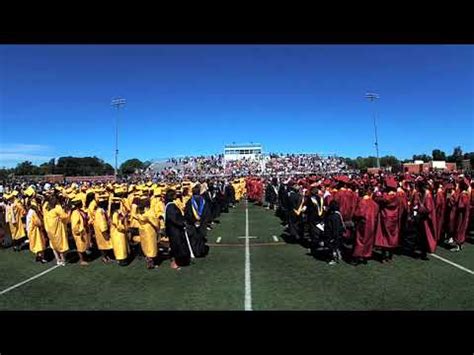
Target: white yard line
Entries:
(453, 264)
(248, 286)
(28, 280)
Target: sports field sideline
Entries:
(249, 267)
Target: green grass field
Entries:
(283, 277)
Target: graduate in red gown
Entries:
(440, 202)
(471, 213)
(404, 210)
(345, 199)
(329, 192)
(451, 205)
(387, 236)
(259, 191)
(427, 219)
(461, 219)
(365, 217)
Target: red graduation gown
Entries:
(346, 200)
(451, 206)
(388, 231)
(440, 212)
(428, 212)
(462, 217)
(365, 216)
(403, 209)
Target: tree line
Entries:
(68, 166)
(457, 157)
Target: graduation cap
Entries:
(390, 182)
(103, 197)
(30, 191)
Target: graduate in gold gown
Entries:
(80, 230)
(36, 232)
(133, 227)
(15, 214)
(149, 231)
(102, 229)
(56, 220)
(118, 231)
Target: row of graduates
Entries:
(127, 221)
(377, 213)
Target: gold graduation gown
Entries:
(148, 225)
(56, 226)
(158, 208)
(118, 235)
(15, 213)
(100, 228)
(91, 211)
(35, 234)
(82, 196)
(80, 231)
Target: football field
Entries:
(249, 267)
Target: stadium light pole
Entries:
(372, 96)
(117, 103)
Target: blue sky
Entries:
(194, 99)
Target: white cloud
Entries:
(12, 154)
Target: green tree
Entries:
(129, 166)
(456, 157)
(389, 160)
(438, 154)
(424, 157)
(87, 166)
(5, 173)
(470, 157)
(26, 168)
(47, 168)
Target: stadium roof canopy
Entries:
(255, 145)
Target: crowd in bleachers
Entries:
(272, 164)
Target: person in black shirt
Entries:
(195, 213)
(271, 194)
(295, 214)
(315, 215)
(333, 231)
(175, 224)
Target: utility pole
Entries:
(372, 96)
(117, 103)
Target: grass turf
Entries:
(284, 277)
